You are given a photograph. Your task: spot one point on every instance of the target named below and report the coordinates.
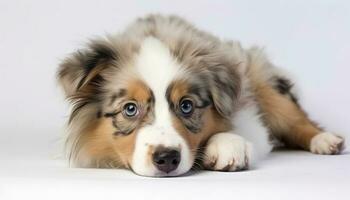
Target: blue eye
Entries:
(186, 107)
(130, 110)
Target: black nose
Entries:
(166, 160)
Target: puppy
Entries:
(164, 97)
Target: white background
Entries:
(309, 38)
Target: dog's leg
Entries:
(227, 152)
(236, 150)
(288, 122)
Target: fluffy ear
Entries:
(224, 89)
(83, 68)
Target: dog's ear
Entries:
(224, 89)
(82, 69)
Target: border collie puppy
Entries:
(162, 97)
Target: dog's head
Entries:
(148, 99)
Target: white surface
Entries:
(284, 175)
(309, 38)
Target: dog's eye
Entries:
(186, 107)
(130, 110)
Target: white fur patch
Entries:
(157, 69)
(228, 152)
(326, 143)
(247, 123)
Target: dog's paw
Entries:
(327, 143)
(227, 152)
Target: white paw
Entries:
(326, 143)
(227, 152)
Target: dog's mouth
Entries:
(161, 174)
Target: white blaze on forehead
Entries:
(155, 63)
(157, 68)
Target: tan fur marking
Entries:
(101, 144)
(213, 123)
(285, 119)
(139, 91)
(179, 89)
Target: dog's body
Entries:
(162, 95)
